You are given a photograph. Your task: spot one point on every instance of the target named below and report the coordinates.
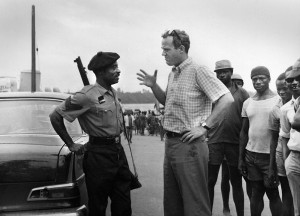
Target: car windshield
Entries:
(31, 117)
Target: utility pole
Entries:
(33, 69)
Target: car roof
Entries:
(49, 95)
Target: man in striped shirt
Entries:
(188, 102)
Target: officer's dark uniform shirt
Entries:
(97, 109)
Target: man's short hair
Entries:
(179, 38)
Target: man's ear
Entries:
(182, 48)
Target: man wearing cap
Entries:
(237, 79)
(223, 140)
(100, 116)
(188, 101)
(291, 142)
(255, 140)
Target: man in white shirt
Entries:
(276, 168)
(255, 142)
(128, 119)
(291, 146)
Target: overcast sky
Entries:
(247, 32)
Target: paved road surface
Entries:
(148, 154)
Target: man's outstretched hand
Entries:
(147, 79)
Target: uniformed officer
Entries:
(100, 116)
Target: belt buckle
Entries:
(171, 134)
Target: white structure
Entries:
(8, 84)
(25, 81)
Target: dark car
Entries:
(38, 173)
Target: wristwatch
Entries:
(203, 124)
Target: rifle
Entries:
(82, 71)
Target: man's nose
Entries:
(258, 81)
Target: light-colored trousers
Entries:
(186, 178)
(292, 166)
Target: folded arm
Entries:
(57, 122)
(220, 109)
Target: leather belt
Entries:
(173, 134)
(297, 152)
(105, 140)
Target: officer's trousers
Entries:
(107, 175)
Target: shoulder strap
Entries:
(126, 136)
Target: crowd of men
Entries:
(257, 139)
(254, 138)
(247, 142)
(209, 120)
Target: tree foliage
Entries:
(136, 97)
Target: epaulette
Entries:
(87, 88)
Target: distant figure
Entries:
(151, 123)
(190, 92)
(143, 123)
(237, 79)
(137, 124)
(128, 118)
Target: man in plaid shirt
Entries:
(188, 102)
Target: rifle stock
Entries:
(82, 71)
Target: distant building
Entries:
(8, 84)
(25, 80)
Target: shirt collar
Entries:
(183, 65)
(292, 100)
(103, 90)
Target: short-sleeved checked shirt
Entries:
(190, 92)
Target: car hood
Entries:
(29, 158)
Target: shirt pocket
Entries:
(106, 115)
(184, 95)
